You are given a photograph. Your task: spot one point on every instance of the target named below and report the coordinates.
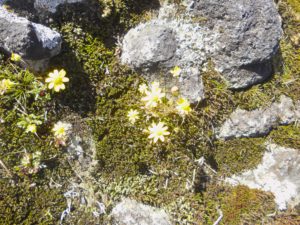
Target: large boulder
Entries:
(259, 122)
(278, 173)
(240, 37)
(130, 212)
(249, 30)
(34, 42)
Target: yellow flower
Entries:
(183, 106)
(5, 85)
(158, 131)
(15, 57)
(60, 129)
(176, 71)
(154, 96)
(30, 128)
(57, 79)
(143, 88)
(133, 115)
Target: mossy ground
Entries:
(166, 175)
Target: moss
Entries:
(236, 155)
(246, 206)
(287, 218)
(287, 136)
(295, 5)
(22, 204)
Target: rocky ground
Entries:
(232, 157)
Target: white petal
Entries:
(51, 85)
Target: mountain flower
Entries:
(176, 71)
(57, 79)
(61, 129)
(158, 132)
(183, 106)
(143, 88)
(153, 96)
(15, 57)
(31, 128)
(133, 115)
(5, 85)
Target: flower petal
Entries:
(51, 85)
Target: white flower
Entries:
(61, 129)
(154, 96)
(183, 106)
(176, 71)
(133, 115)
(143, 88)
(158, 131)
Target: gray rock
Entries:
(242, 123)
(51, 5)
(34, 42)
(278, 173)
(130, 212)
(149, 46)
(241, 37)
(250, 31)
(156, 47)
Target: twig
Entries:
(220, 217)
(194, 177)
(166, 184)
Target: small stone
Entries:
(130, 212)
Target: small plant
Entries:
(29, 123)
(30, 163)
